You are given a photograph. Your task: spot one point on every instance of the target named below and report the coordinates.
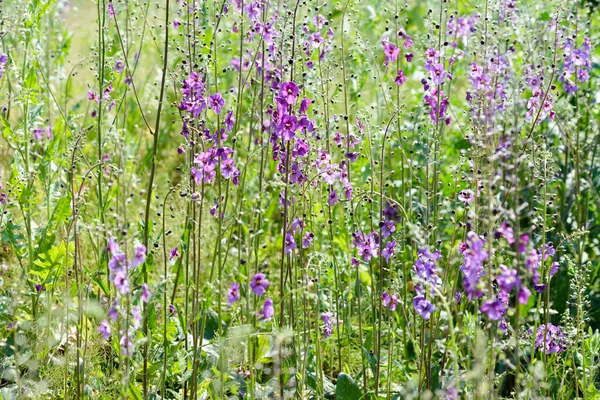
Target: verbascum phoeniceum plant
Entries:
(299, 199)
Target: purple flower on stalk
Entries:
(332, 199)
(438, 74)
(113, 312)
(121, 283)
(137, 317)
(233, 294)
(288, 126)
(110, 10)
(126, 343)
(290, 243)
(307, 240)
(328, 328)
(389, 301)
(389, 250)
(145, 296)
(139, 256)
(423, 307)
(119, 66)
(400, 78)
(494, 309)
(289, 92)
(40, 288)
(466, 196)
(268, 310)
(549, 339)
(216, 102)
(259, 284)
(388, 228)
(507, 232)
(104, 329)
(472, 267)
(174, 253)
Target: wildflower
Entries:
(332, 199)
(389, 301)
(400, 78)
(259, 284)
(290, 243)
(307, 240)
(113, 312)
(550, 339)
(233, 294)
(126, 343)
(174, 253)
(216, 102)
(391, 52)
(104, 329)
(119, 66)
(288, 126)
(145, 296)
(507, 232)
(139, 256)
(472, 267)
(137, 317)
(466, 196)
(389, 250)
(40, 288)
(110, 10)
(3, 60)
(494, 309)
(289, 92)
(423, 307)
(328, 328)
(388, 228)
(268, 310)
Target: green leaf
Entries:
(346, 388)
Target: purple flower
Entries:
(550, 339)
(288, 126)
(233, 294)
(494, 309)
(389, 250)
(290, 243)
(328, 328)
(423, 307)
(110, 10)
(104, 329)
(507, 232)
(145, 296)
(388, 228)
(400, 78)
(139, 256)
(119, 66)
(472, 267)
(389, 301)
(40, 288)
(113, 312)
(268, 310)
(508, 279)
(259, 284)
(307, 240)
(137, 317)
(120, 282)
(216, 102)
(438, 74)
(332, 199)
(289, 92)
(174, 253)
(466, 196)
(126, 343)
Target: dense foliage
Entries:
(299, 199)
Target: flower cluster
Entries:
(3, 61)
(435, 97)
(550, 339)
(577, 64)
(472, 267)
(461, 28)
(120, 268)
(425, 278)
